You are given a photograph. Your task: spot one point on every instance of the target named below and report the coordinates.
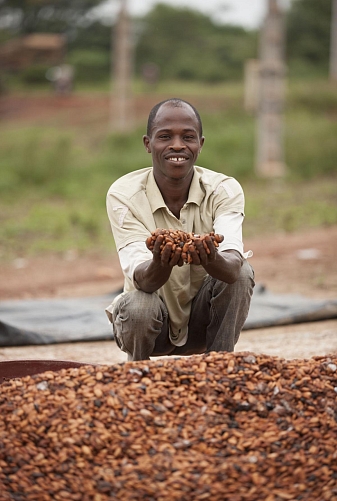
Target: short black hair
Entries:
(175, 102)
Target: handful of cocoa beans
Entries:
(182, 239)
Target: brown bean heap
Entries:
(217, 426)
(184, 240)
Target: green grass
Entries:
(289, 205)
(53, 180)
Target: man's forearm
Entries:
(150, 276)
(154, 273)
(226, 266)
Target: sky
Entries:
(246, 13)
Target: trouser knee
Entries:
(137, 321)
(244, 283)
(246, 277)
(138, 306)
(247, 272)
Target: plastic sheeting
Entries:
(268, 309)
(50, 321)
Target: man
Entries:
(167, 307)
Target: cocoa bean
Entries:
(181, 239)
(218, 426)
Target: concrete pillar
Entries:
(121, 100)
(272, 72)
(251, 89)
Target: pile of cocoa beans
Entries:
(218, 426)
(182, 239)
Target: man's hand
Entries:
(203, 251)
(198, 250)
(189, 243)
(163, 254)
(153, 274)
(223, 266)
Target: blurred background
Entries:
(78, 79)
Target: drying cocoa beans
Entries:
(219, 427)
(184, 240)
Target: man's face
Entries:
(175, 142)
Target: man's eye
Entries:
(189, 138)
(164, 136)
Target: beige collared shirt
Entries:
(136, 207)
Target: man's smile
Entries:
(176, 158)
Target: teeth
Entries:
(177, 159)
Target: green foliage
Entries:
(186, 44)
(90, 65)
(311, 128)
(125, 152)
(308, 30)
(311, 144)
(316, 95)
(231, 148)
(301, 69)
(35, 74)
(34, 159)
(289, 205)
(92, 36)
(47, 16)
(5, 35)
(52, 189)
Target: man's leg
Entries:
(140, 324)
(229, 311)
(218, 314)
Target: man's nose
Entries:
(177, 143)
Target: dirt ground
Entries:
(89, 112)
(303, 263)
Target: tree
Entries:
(308, 30)
(29, 16)
(186, 44)
(183, 43)
(88, 41)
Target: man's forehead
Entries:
(169, 113)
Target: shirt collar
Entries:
(153, 193)
(196, 194)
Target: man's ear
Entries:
(146, 141)
(202, 140)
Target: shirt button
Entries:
(183, 221)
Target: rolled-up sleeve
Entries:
(228, 197)
(230, 226)
(133, 255)
(126, 228)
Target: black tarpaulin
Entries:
(50, 321)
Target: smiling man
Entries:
(169, 307)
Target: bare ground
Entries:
(303, 263)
